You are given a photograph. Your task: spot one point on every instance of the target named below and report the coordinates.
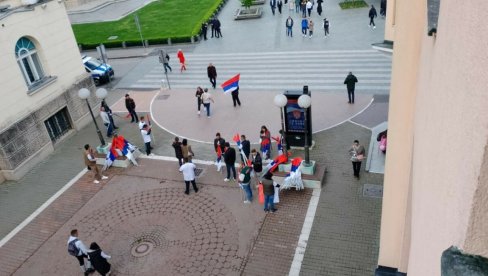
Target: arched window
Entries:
(28, 60)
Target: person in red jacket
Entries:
(181, 57)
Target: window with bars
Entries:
(58, 124)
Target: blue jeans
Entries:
(268, 202)
(109, 129)
(207, 106)
(247, 188)
(289, 31)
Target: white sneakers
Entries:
(226, 180)
(198, 112)
(247, 201)
(96, 181)
(104, 177)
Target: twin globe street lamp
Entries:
(101, 93)
(304, 101)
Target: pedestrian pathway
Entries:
(320, 70)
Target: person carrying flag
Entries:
(265, 139)
(219, 144)
(235, 97)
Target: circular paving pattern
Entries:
(167, 232)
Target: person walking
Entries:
(130, 104)
(245, 182)
(310, 28)
(206, 99)
(268, 189)
(203, 30)
(326, 26)
(272, 4)
(182, 59)
(319, 7)
(218, 28)
(77, 249)
(91, 164)
(235, 97)
(372, 14)
(303, 8)
(198, 95)
(229, 160)
(289, 25)
(164, 59)
(246, 147)
(291, 6)
(383, 8)
(188, 170)
(304, 26)
(280, 5)
(98, 259)
(309, 7)
(186, 150)
(265, 137)
(146, 136)
(212, 75)
(106, 121)
(109, 112)
(350, 82)
(178, 150)
(297, 5)
(357, 153)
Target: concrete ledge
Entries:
(120, 161)
(309, 181)
(250, 13)
(28, 164)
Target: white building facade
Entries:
(40, 74)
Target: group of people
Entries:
(215, 26)
(164, 59)
(90, 259)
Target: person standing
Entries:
(235, 97)
(289, 25)
(142, 122)
(319, 7)
(198, 95)
(206, 99)
(357, 155)
(383, 8)
(350, 82)
(212, 75)
(230, 160)
(218, 28)
(219, 142)
(303, 8)
(164, 59)
(265, 137)
(146, 136)
(98, 259)
(186, 150)
(272, 4)
(326, 27)
(77, 249)
(304, 26)
(297, 5)
(246, 147)
(280, 5)
(291, 6)
(268, 189)
(182, 59)
(188, 170)
(257, 163)
(109, 112)
(245, 182)
(203, 31)
(130, 104)
(309, 7)
(372, 14)
(178, 150)
(212, 23)
(106, 121)
(91, 164)
(310, 28)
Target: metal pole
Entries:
(100, 136)
(307, 155)
(283, 143)
(167, 79)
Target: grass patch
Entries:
(159, 20)
(354, 4)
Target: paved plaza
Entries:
(141, 216)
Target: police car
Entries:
(99, 71)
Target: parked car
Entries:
(99, 71)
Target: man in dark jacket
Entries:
(218, 31)
(235, 97)
(372, 15)
(212, 24)
(268, 189)
(203, 30)
(212, 75)
(219, 142)
(230, 160)
(350, 81)
(109, 112)
(257, 163)
(246, 147)
(178, 152)
(131, 107)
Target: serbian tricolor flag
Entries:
(231, 84)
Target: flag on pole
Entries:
(231, 84)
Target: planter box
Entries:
(250, 13)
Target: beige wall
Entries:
(438, 131)
(390, 20)
(58, 52)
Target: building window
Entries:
(58, 124)
(28, 60)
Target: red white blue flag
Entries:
(231, 84)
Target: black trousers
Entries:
(133, 115)
(148, 147)
(356, 167)
(371, 21)
(213, 81)
(81, 259)
(235, 99)
(230, 167)
(199, 103)
(350, 94)
(187, 183)
(213, 31)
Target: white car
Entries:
(99, 71)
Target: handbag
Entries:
(360, 157)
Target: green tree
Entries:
(247, 3)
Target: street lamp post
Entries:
(304, 101)
(84, 93)
(280, 101)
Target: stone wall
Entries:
(24, 138)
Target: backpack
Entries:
(73, 250)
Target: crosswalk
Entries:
(320, 70)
